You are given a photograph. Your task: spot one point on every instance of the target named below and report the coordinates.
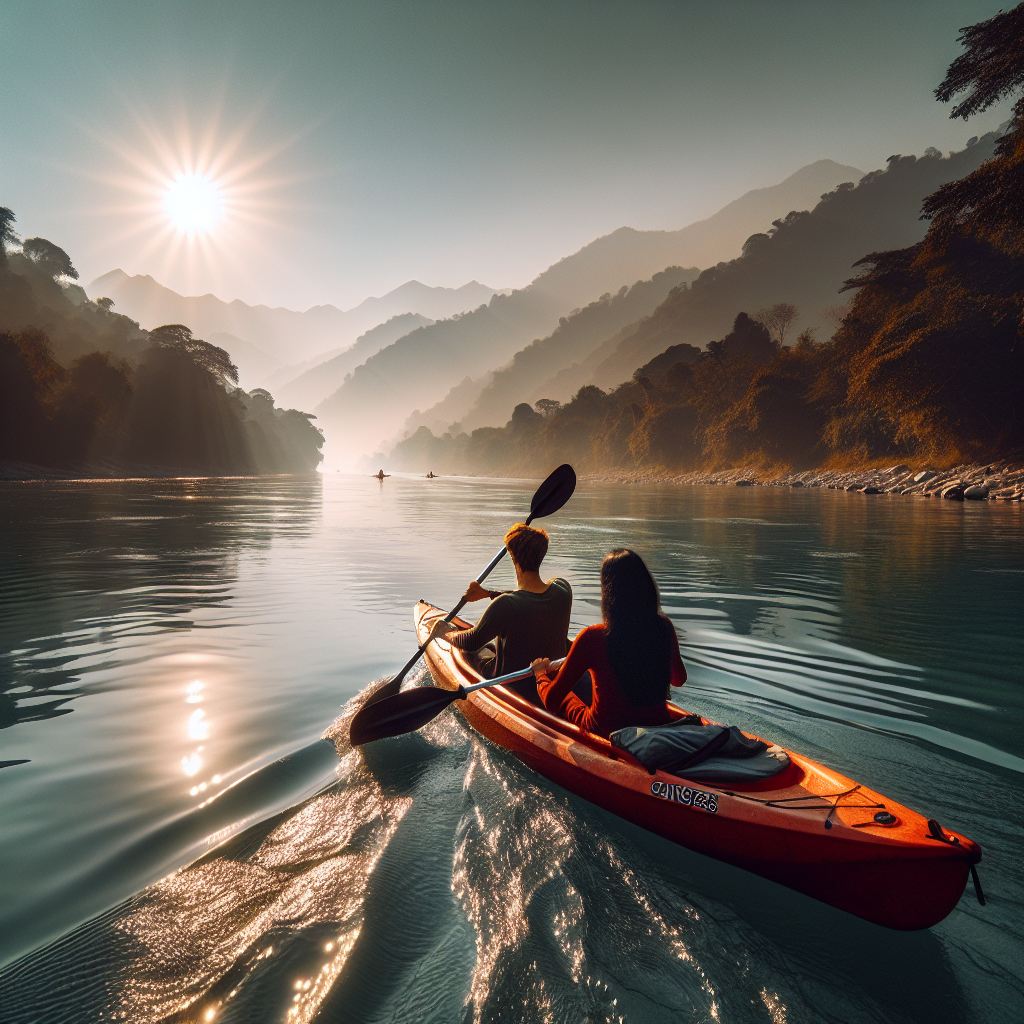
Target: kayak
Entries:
(809, 828)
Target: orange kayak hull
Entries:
(809, 828)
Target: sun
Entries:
(193, 203)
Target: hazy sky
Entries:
(358, 145)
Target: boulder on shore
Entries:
(954, 493)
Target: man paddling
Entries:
(529, 622)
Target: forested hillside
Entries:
(627, 254)
(85, 390)
(576, 336)
(927, 360)
(803, 259)
(421, 367)
(420, 370)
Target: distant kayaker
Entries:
(380, 474)
(529, 622)
(632, 656)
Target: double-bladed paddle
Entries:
(412, 709)
(548, 498)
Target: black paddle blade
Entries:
(402, 713)
(554, 492)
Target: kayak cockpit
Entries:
(775, 780)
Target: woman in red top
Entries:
(632, 656)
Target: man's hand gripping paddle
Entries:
(556, 490)
(412, 709)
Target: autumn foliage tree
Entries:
(936, 329)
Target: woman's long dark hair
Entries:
(640, 637)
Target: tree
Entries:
(214, 360)
(524, 418)
(547, 406)
(777, 319)
(990, 69)
(7, 233)
(104, 304)
(49, 257)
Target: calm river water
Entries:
(172, 654)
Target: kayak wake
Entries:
(435, 878)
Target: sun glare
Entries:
(198, 194)
(193, 204)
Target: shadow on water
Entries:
(811, 938)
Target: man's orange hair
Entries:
(527, 545)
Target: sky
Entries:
(302, 153)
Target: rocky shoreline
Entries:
(988, 481)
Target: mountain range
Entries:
(364, 369)
(803, 259)
(421, 369)
(266, 338)
(311, 387)
(629, 255)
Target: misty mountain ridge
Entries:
(309, 388)
(803, 259)
(575, 338)
(286, 336)
(627, 254)
(422, 368)
(444, 415)
(252, 362)
(424, 365)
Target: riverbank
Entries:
(987, 481)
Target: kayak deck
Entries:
(809, 827)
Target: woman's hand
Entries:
(474, 592)
(540, 667)
(440, 628)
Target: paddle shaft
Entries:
(455, 611)
(510, 677)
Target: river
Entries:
(173, 653)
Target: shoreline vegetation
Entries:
(86, 391)
(999, 481)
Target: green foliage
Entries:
(8, 236)
(211, 358)
(52, 259)
(96, 393)
(992, 66)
